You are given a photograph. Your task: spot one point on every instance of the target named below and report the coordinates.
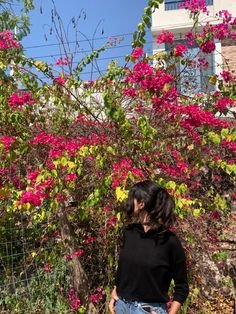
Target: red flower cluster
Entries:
(224, 102)
(71, 177)
(77, 254)
(31, 197)
(47, 267)
(63, 61)
(89, 240)
(131, 92)
(32, 176)
(74, 300)
(97, 296)
(194, 6)
(62, 144)
(18, 101)
(60, 80)
(229, 144)
(178, 170)
(6, 40)
(197, 117)
(202, 63)
(137, 53)
(180, 50)
(227, 76)
(111, 222)
(121, 171)
(7, 141)
(208, 47)
(148, 78)
(165, 37)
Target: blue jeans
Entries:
(134, 307)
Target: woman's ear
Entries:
(141, 205)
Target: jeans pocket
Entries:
(145, 309)
(159, 310)
(117, 300)
(154, 309)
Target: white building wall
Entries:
(178, 22)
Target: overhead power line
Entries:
(79, 51)
(90, 50)
(78, 41)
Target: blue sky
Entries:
(110, 17)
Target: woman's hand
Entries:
(114, 298)
(112, 306)
(175, 306)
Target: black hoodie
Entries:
(148, 262)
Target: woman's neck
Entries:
(146, 228)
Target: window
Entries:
(174, 4)
(194, 79)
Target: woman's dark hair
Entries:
(157, 202)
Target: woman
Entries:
(150, 257)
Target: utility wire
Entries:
(108, 48)
(78, 41)
(79, 51)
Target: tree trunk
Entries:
(79, 277)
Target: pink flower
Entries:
(71, 177)
(190, 37)
(60, 81)
(74, 300)
(213, 238)
(137, 172)
(47, 267)
(129, 92)
(137, 53)
(214, 215)
(7, 141)
(69, 257)
(224, 102)
(227, 17)
(89, 240)
(62, 61)
(179, 50)
(6, 40)
(233, 195)
(18, 101)
(31, 197)
(208, 47)
(115, 183)
(107, 209)
(111, 222)
(97, 296)
(60, 197)
(165, 37)
(203, 63)
(33, 176)
(227, 76)
(229, 145)
(194, 6)
(79, 253)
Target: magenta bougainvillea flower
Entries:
(137, 53)
(165, 37)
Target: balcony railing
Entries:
(174, 4)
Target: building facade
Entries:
(170, 17)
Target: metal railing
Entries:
(174, 4)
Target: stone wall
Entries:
(229, 57)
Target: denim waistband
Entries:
(140, 302)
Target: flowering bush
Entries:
(66, 168)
